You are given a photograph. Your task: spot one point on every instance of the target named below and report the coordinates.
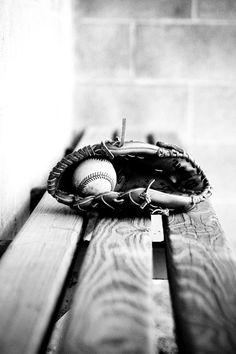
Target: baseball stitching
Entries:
(93, 177)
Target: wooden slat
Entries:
(33, 271)
(202, 275)
(112, 310)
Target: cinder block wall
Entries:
(35, 100)
(170, 65)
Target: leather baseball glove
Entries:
(151, 178)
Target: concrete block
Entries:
(102, 50)
(134, 8)
(214, 114)
(191, 52)
(159, 108)
(220, 9)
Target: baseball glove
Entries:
(151, 178)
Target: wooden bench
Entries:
(112, 309)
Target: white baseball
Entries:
(94, 176)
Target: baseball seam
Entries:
(93, 177)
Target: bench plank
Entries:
(33, 271)
(112, 310)
(202, 275)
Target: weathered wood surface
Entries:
(33, 271)
(112, 309)
(202, 275)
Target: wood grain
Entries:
(33, 271)
(112, 310)
(202, 275)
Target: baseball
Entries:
(94, 176)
